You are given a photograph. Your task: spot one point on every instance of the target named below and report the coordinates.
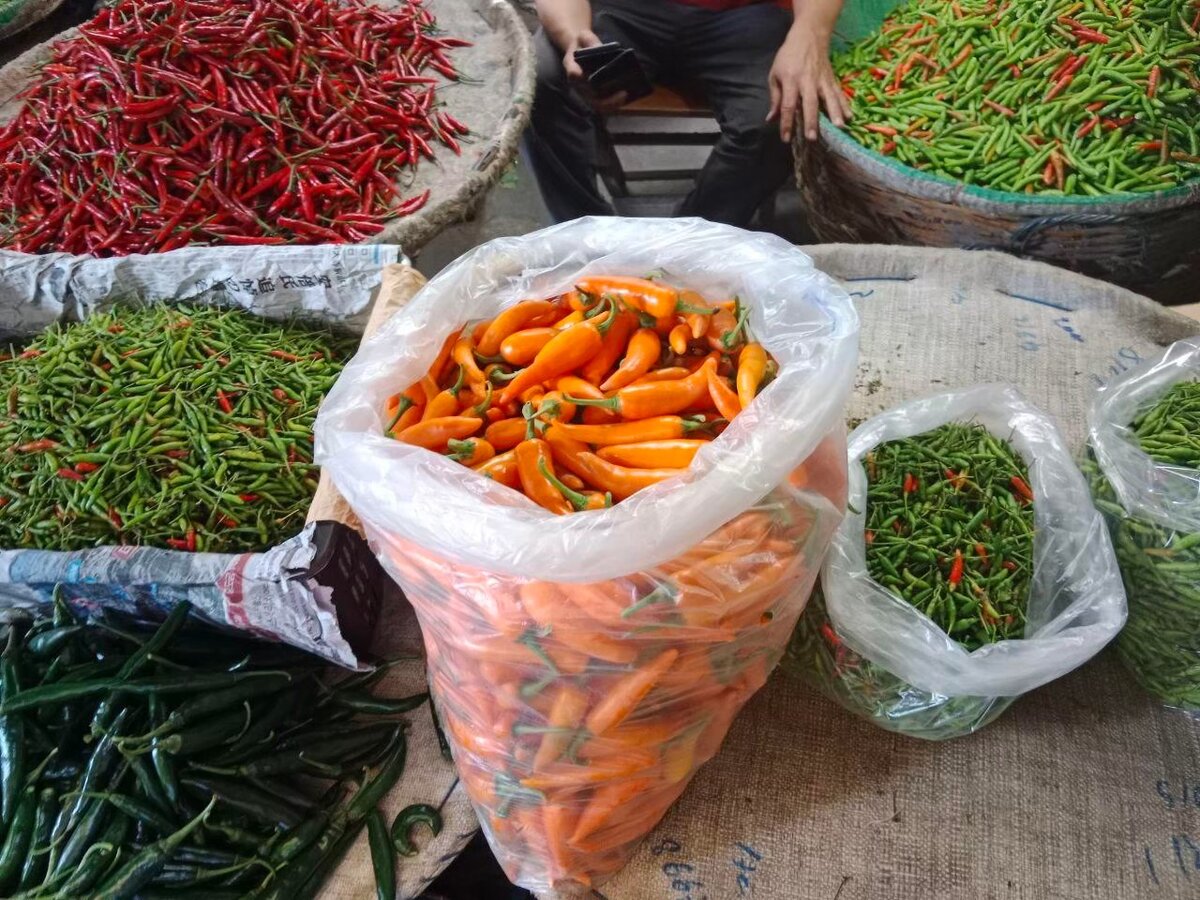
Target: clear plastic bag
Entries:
(585, 665)
(1153, 512)
(920, 680)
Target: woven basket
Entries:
(1150, 244)
(493, 100)
(17, 15)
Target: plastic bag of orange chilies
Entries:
(585, 665)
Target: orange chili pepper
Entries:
(433, 434)
(520, 347)
(643, 352)
(723, 396)
(697, 322)
(615, 342)
(720, 323)
(533, 462)
(667, 374)
(444, 404)
(554, 407)
(506, 434)
(566, 713)
(619, 481)
(502, 469)
(437, 370)
(464, 354)
(1022, 489)
(574, 482)
(651, 297)
(567, 351)
(659, 398)
(405, 409)
(657, 428)
(429, 387)
(579, 502)
(752, 365)
(568, 320)
(622, 698)
(577, 387)
(515, 318)
(472, 452)
(673, 454)
(678, 338)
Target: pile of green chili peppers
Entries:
(1070, 97)
(188, 428)
(816, 654)
(949, 529)
(1160, 643)
(173, 761)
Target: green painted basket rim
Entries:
(928, 185)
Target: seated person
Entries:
(757, 63)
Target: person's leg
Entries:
(730, 54)
(560, 142)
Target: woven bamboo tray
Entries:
(493, 100)
(1150, 244)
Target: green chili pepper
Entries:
(410, 817)
(383, 856)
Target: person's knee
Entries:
(751, 135)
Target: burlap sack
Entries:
(428, 777)
(1083, 789)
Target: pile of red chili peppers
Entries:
(171, 122)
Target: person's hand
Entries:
(802, 80)
(607, 104)
(579, 41)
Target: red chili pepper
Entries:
(223, 401)
(869, 537)
(981, 552)
(281, 395)
(190, 540)
(1021, 489)
(115, 517)
(248, 498)
(830, 635)
(85, 468)
(957, 479)
(71, 474)
(1086, 128)
(228, 521)
(1152, 81)
(177, 454)
(37, 446)
(956, 569)
(283, 354)
(1009, 564)
(910, 483)
(177, 544)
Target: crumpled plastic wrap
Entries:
(584, 666)
(1153, 512)
(889, 662)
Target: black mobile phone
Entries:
(592, 59)
(622, 73)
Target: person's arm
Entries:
(568, 24)
(802, 78)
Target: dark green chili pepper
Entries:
(135, 809)
(171, 684)
(243, 798)
(410, 817)
(149, 862)
(39, 847)
(96, 861)
(20, 833)
(383, 856)
(368, 705)
(12, 731)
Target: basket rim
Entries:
(928, 185)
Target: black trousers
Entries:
(729, 54)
